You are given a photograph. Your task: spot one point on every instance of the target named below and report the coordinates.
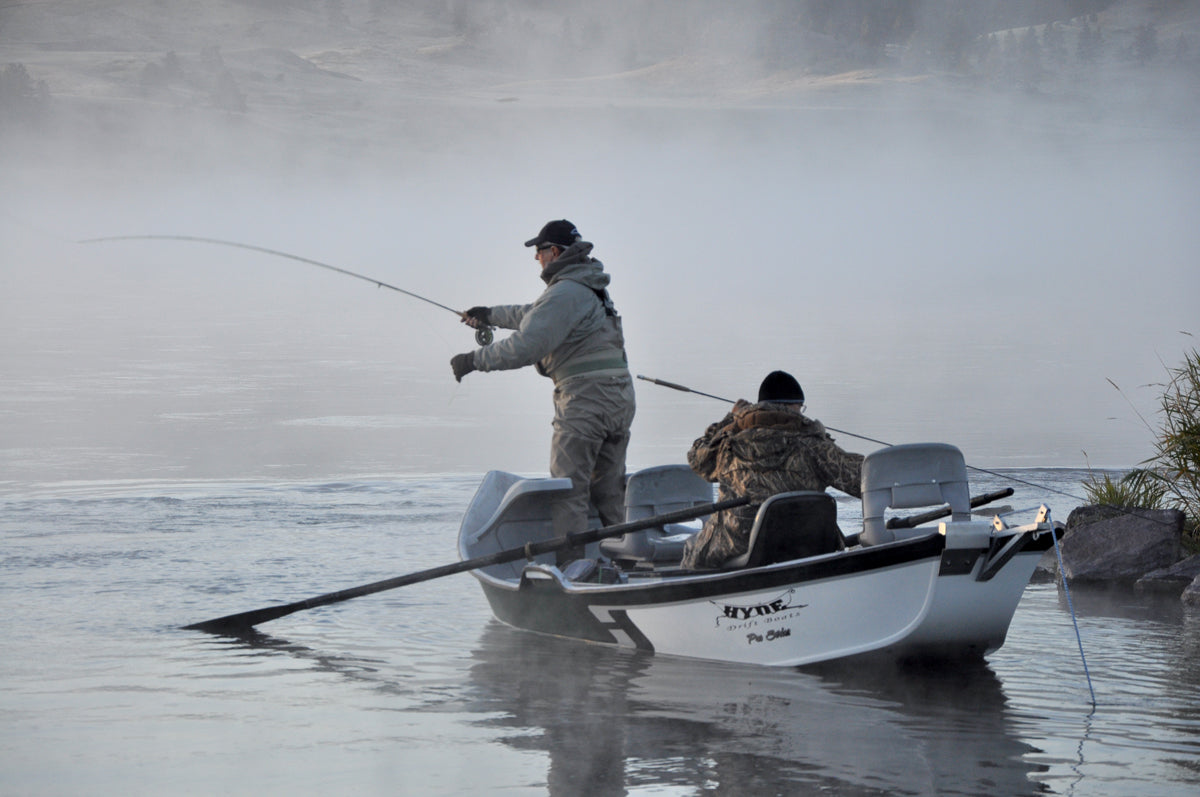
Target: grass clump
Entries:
(1135, 488)
(1170, 479)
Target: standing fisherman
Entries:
(572, 334)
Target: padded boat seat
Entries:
(910, 476)
(654, 491)
(790, 526)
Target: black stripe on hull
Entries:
(543, 605)
(621, 622)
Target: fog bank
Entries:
(934, 257)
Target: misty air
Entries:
(365, 360)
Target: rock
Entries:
(1090, 513)
(1046, 570)
(1191, 594)
(1121, 547)
(1175, 578)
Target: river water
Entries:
(419, 691)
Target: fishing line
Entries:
(483, 336)
(996, 474)
(1057, 552)
(674, 386)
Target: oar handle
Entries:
(235, 624)
(578, 538)
(934, 514)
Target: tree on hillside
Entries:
(20, 96)
(1145, 44)
(1029, 58)
(865, 25)
(1183, 49)
(1090, 45)
(1054, 44)
(226, 94)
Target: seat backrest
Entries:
(664, 488)
(655, 491)
(909, 476)
(791, 526)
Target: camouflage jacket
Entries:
(759, 450)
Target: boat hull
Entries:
(944, 593)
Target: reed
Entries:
(1176, 460)
(1171, 477)
(1135, 488)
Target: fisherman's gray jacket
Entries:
(757, 451)
(571, 329)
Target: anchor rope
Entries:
(1071, 608)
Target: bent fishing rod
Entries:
(685, 389)
(483, 335)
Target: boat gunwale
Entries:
(705, 584)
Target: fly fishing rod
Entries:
(673, 386)
(1005, 476)
(483, 335)
(991, 497)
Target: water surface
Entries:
(419, 691)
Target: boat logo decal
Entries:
(743, 616)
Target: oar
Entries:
(236, 624)
(934, 514)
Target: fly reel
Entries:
(484, 336)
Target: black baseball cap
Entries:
(561, 233)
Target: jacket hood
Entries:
(576, 265)
(773, 415)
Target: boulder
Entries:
(1090, 513)
(1191, 594)
(1120, 545)
(1174, 579)
(1046, 570)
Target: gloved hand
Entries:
(462, 364)
(476, 317)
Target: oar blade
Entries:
(243, 622)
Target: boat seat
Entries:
(910, 476)
(791, 526)
(654, 491)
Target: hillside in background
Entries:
(367, 72)
(959, 220)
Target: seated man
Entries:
(759, 450)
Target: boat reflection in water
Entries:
(612, 721)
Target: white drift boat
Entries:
(804, 592)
